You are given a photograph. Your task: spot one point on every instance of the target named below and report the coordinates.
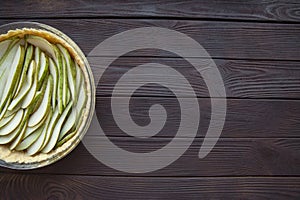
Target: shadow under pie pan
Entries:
(47, 95)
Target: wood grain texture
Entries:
(278, 10)
(234, 157)
(230, 157)
(86, 187)
(220, 39)
(244, 118)
(242, 78)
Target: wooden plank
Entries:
(16, 186)
(278, 10)
(230, 157)
(244, 118)
(220, 39)
(242, 78)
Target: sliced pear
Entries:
(31, 108)
(4, 111)
(71, 71)
(42, 44)
(79, 78)
(54, 72)
(3, 78)
(13, 124)
(30, 130)
(81, 94)
(82, 97)
(59, 64)
(43, 70)
(14, 43)
(40, 113)
(19, 138)
(68, 96)
(37, 98)
(30, 139)
(8, 138)
(37, 145)
(37, 57)
(42, 121)
(13, 76)
(51, 126)
(54, 137)
(5, 120)
(39, 93)
(70, 61)
(27, 63)
(6, 61)
(13, 111)
(4, 46)
(26, 86)
(23, 124)
(5, 66)
(65, 83)
(32, 92)
(68, 125)
(69, 136)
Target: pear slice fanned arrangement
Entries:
(42, 94)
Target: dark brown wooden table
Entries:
(256, 46)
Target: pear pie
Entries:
(44, 95)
